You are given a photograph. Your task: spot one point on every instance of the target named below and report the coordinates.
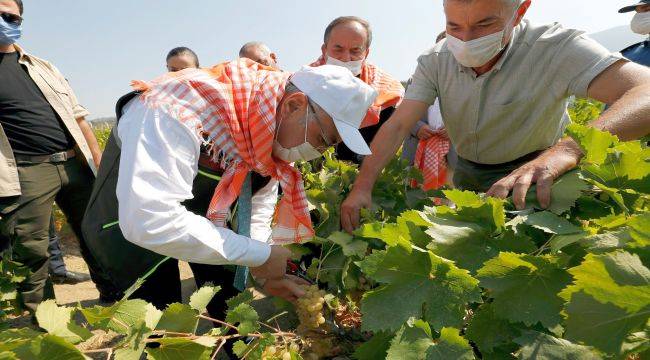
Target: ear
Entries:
(323, 50)
(367, 54)
(274, 57)
(293, 103)
(523, 8)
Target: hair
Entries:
(21, 8)
(252, 44)
(345, 20)
(507, 3)
(182, 50)
(441, 36)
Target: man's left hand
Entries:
(542, 171)
(287, 287)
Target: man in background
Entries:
(181, 58)
(260, 53)
(639, 52)
(346, 43)
(48, 153)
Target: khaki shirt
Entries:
(58, 93)
(518, 107)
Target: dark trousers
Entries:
(163, 287)
(472, 176)
(25, 222)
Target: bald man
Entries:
(260, 53)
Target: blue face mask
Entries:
(9, 33)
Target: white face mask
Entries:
(641, 23)
(304, 151)
(478, 52)
(353, 66)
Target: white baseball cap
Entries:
(344, 97)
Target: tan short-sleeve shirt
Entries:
(518, 107)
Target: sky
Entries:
(100, 46)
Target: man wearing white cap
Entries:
(248, 118)
(640, 24)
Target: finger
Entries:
(294, 288)
(298, 280)
(544, 187)
(354, 219)
(501, 188)
(346, 223)
(520, 189)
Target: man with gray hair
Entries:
(503, 84)
(260, 53)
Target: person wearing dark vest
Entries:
(346, 43)
(48, 153)
(639, 52)
(176, 181)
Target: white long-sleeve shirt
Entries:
(159, 161)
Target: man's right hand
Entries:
(351, 207)
(275, 266)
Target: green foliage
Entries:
(582, 111)
(463, 281)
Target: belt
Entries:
(59, 157)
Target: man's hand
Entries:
(276, 265)
(542, 171)
(287, 287)
(427, 132)
(351, 207)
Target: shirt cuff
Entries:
(257, 254)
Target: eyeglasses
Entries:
(11, 18)
(320, 127)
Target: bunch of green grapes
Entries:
(275, 352)
(319, 348)
(310, 308)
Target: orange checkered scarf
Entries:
(430, 159)
(233, 106)
(390, 91)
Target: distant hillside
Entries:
(103, 122)
(617, 38)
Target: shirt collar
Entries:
(23, 56)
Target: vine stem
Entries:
(218, 322)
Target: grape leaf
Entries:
(565, 191)
(57, 320)
(473, 207)
(52, 347)
(179, 349)
(244, 297)
(349, 245)
(450, 345)
(409, 343)
(411, 280)
(470, 245)
(536, 345)
(604, 326)
(489, 331)
(178, 318)
(618, 278)
(255, 348)
(525, 287)
(375, 348)
(245, 316)
(551, 223)
(593, 142)
(202, 297)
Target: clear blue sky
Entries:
(101, 45)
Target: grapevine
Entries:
(476, 280)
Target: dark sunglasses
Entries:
(12, 18)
